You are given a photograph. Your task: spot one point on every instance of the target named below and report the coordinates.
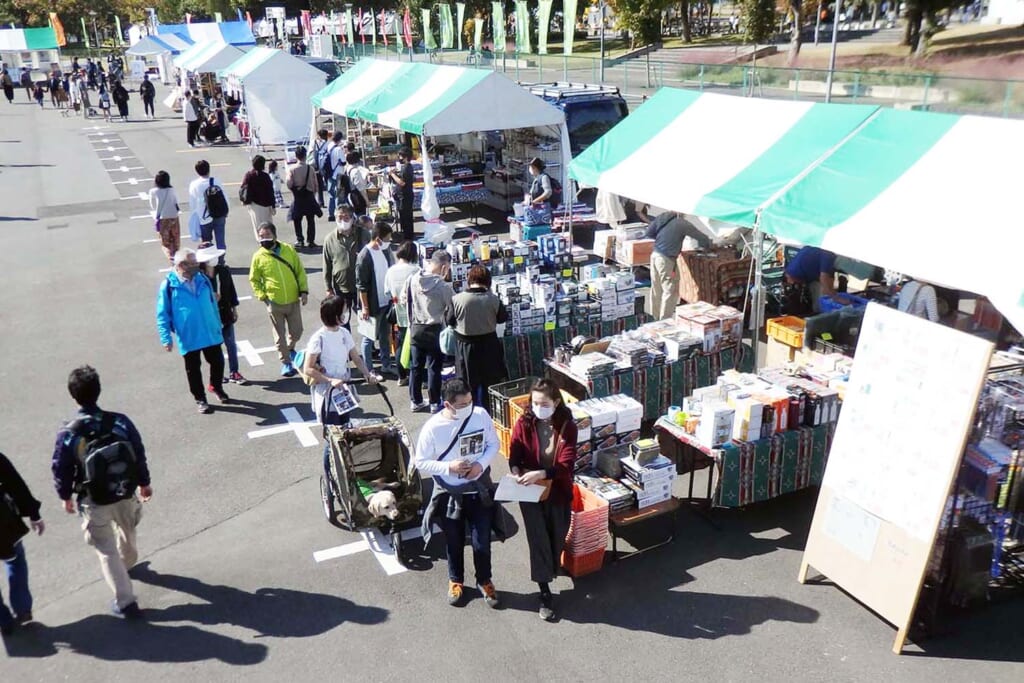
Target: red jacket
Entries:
(524, 451)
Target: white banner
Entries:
(568, 25)
(544, 24)
(460, 15)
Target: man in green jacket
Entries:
(341, 250)
(279, 280)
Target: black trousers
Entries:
(405, 219)
(193, 131)
(147, 102)
(546, 525)
(194, 370)
(310, 227)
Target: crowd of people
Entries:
(401, 311)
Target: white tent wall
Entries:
(272, 113)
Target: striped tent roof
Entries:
(930, 195)
(18, 39)
(155, 45)
(230, 32)
(207, 56)
(432, 99)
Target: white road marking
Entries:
(226, 163)
(95, 128)
(117, 158)
(377, 544)
(302, 429)
(129, 181)
(250, 352)
(124, 169)
(164, 270)
(341, 551)
(244, 298)
(134, 218)
(155, 239)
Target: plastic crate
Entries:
(504, 439)
(788, 329)
(833, 302)
(517, 405)
(581, 565)
(501, 393)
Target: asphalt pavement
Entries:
(229, 582)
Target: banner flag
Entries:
(498, 25)
(460, 13)
(544, 21)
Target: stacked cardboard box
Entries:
(651, 483)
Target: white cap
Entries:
(182, 255)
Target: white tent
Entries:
(272, 85)
(208, 57)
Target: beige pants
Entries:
(287, 322)
(664, 286)
(259, 215)
(110, 530)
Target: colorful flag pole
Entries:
(120, 33)
(447, 37)
(58, 29)
(384, 27)
(407, 28)
(544, 21)
(362, 33)
(348, 27)
(428, 34)
(522, 27)
(498, 25)
(85, 33)
(373, 28)
(478, 33)
(460, 13)
(238, 11)
(568, 25)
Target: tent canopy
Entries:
(19, 39)
(156, 45)
(265, 64)
(925, 194)
(432, 99)
(230, 32)
(208, 56)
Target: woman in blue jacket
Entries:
(187, 308)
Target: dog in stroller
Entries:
(213, 128)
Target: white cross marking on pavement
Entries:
(302, 429)
(164, 270)
(124, 169)
(95, 128)
(117, 158)
(111, 149)
(130, 181)
(244, 298)
(155, 239)
(251, 353)
(144, 196)
(377, 544)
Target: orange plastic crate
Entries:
(581, 565)
(788, 329)
(517, 405)
(504, 439)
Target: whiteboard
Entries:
(901, 432)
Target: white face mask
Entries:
(543, 412)
(462, 413)
(345, 226)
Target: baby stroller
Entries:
(367, 457)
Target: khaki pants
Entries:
(664, 286)
(110, 530)
(259, 215)
(287, 322)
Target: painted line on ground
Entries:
(226, 163)
(377, 544)
(111, 149)
(130, 181)
(155, 239)
(251, 353)
(125, 169)
(295, 424)
(232, 184)
(118, 158)
(244, 298)
(164, 270)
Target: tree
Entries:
(796, 38)
(642, 18)
(684, 9)
(758, 20)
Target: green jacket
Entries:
(272, 280)
(340, 255)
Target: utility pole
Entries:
(602, 5)
(832, 53)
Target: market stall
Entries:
(451, 107)
(230, 32)
(269, 82)
(35, 48)
(201, 62)
(159, 50)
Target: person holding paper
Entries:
(543, 451)
(456, 447)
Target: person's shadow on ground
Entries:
(273, 612)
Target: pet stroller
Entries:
(367, 457)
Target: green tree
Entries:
(758, 20)
(642, 18)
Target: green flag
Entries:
(568, 25)
(522, 27)
(447, 31)
(478, 33)
(120, 33)
(85, 33)
(544, 21)
(428, 35)
(498, 25)
(460, 13)
(218, 17)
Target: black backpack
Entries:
(216, 202)
(325, 169)
(556, 193)
(109, 466)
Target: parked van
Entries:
(590, 110)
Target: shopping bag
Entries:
(405, 357)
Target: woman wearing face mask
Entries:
(475, 314)
(543, 451)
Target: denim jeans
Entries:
(214, 232)
(383, 338)
(17, 581)
(229, 343)
(431, 363)
(478, 517)
(332, 190)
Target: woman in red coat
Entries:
(543, 451)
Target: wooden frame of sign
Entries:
(907, 415)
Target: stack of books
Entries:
(650, 483)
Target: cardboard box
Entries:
(623, 280)
(626, 297)
(779, 353)
(707, 328)
(715, 427)
(634, 252)
(604, 244)
(629, 413)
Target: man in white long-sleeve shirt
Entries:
(455, 447)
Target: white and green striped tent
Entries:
(434, 100)
(25, 39)
(935, 196)
(208, 57)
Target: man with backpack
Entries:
(207, 200)
(320, 149)
(100, 457)
(334, 170)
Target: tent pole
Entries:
(758, 295)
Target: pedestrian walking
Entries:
(455, 447)
(427, 298)
(83, 94)
(187, 309)
(104, 102)
(209, 204)
(475, 314)
(26, 82)
(275, 181)
(320, 149)
(106, 496)
(119, 94)
(334, 170)
(341, 249)
(359, 182)
(38, 94)
(542, 451)
(303, 184)
(148, 93)
(257, 193)
(8, 85)
(54, 83)
(163, 204)
(279, 281)
(191, 110)
(404, 178)
(16, 503)
(374, 303)
(394, 283)
(211, 261)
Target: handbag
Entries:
(446, 340)
(425, 335)
(405, 357)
